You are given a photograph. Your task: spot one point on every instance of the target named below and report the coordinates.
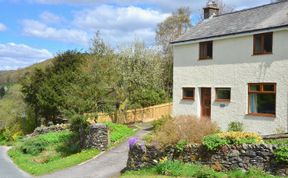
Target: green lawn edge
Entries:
(24, 163)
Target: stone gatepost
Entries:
(97, 137)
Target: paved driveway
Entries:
(7, 168)
(106, 165)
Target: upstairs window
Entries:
(262, 99)
(188, 93)
(223, 94)
(263, 43)
(206, 50)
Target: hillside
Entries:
(13, 76)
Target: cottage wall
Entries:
(234, 66)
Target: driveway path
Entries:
(7, 167)
(107, 165)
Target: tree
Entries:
(167, 31)
(172, 27)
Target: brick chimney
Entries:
(211, 9)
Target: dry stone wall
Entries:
(97, 137)
(227, 158)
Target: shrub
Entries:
(213, 142)
(157, 124)
(188, 128)
(235, 127)
(281, 153)
(33, 146)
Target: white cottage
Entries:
(234, 67)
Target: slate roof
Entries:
(259, 18)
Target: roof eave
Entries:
(228, 34)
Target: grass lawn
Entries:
(178, 169)
(51, 152)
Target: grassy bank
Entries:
(178, 169)
(51, 152)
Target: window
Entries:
(188, 93)
(262, 99)
(223, 94)
(263, 43)
(206, 50)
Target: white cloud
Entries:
(121, 18)
(2, 27)
(13, 56)
(120, 24)
(49, 17)
(38, 29)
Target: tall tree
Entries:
(168, 30)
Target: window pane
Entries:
(262, 103)
(188, 93)
(269, 87)
(202, 50)
(268, 43)
(223, 93)
(255, 87)
(209, 49)
(266, 103)
(257, 44)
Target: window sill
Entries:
(222, 101)
(262, 115)
(260, 54)
(203, 59)
(187, 99)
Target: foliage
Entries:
(179, 169)
(277, 141)
(235, 127)
(188, 128)
(44, 89)
(215, 141)
(118, 132)
(12, 108)
(181, 145)
(281, 153)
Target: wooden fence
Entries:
(138, 115)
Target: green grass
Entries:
(49, 152)
(119, 132)
(54, 151)
(277, 142)
(179, 169)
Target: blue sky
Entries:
(34, 30)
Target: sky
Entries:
(35, 30)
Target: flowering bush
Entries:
(132, 141)
(215, 141)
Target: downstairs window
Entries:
(262, 99)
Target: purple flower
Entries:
(132, 141)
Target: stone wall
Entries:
(52, 128)
(227, 158)
(97, 137)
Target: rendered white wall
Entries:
(234, 66)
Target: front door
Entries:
(206, 102)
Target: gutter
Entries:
(228, 34)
